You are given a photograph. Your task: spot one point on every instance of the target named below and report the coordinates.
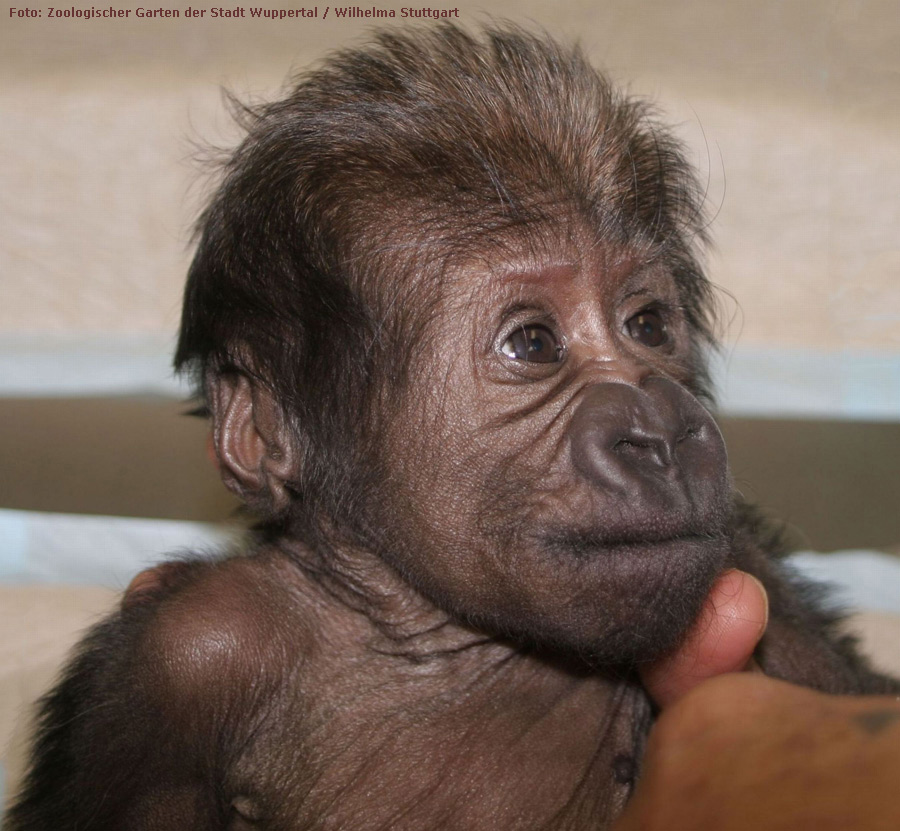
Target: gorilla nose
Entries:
(646, 446)
(625, 437)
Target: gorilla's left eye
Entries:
(647, 327)
(534, 344)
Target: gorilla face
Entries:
(552, 478)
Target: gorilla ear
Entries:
(254, 447)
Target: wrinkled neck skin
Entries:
(424, 722)
(387, 613)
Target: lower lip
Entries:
(602, 548)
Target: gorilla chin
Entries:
(635, 600)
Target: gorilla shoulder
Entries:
(217, 641)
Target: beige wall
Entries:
(796, 105)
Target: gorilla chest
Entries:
(564, 757)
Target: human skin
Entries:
(736, 751)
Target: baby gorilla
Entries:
(448, 321)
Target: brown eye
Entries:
(648, 328)
(534, 344)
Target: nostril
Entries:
(691, 433)
(642, 450)
(627, 444)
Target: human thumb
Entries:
(722, 639)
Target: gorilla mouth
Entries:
(593, 542)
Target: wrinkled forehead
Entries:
(565, 252)
(420, 253)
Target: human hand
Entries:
(743, 752)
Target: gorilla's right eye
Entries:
(534, 344)
(648, 327)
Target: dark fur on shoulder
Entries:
(91, 748)
(799, 604)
